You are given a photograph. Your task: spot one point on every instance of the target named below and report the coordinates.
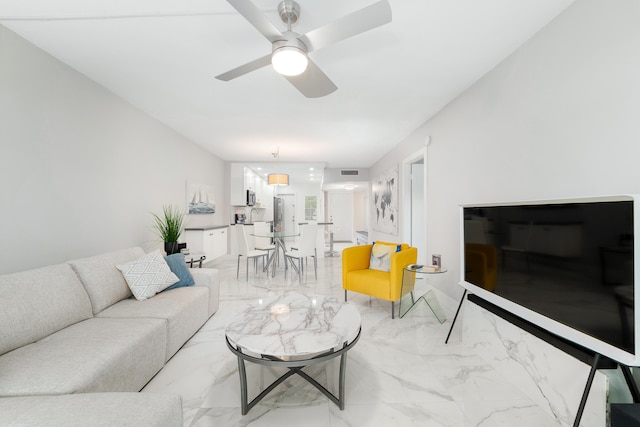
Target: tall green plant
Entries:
(169, 224)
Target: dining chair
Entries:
(263, 243)
(305, 247)
(262, 228)
(244, 251)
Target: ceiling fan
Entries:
(289, 49)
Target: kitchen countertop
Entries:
(206, 227)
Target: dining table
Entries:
(278, 240)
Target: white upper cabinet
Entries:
(243, 179)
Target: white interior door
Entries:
(341, 215)
(414, 196)
(289, 215)
(418, 210)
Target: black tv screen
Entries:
(564, 265)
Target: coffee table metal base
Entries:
(295, 367)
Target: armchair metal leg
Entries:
(393, 310)
(345, 295)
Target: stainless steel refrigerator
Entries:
(278, 214)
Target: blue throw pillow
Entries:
(179, 267)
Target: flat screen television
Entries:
(567, 266)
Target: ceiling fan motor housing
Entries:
(289, 11)
(291, 41)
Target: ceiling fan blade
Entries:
(252, 14)
(350, 25)
(246, 68)
(313, 83)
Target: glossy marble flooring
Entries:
(400, 373)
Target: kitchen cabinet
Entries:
(243, 179)
(210, 240)
(238, 188)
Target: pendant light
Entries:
(277, 179)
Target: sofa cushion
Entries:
(381, 255)
(95, 355)
(93, 409)
(102, 280)
(147, 275)
(36, 303)
(185, 310)
(179, 267)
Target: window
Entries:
(310, 208)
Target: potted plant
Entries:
(169, 227)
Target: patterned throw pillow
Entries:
(148, 275)
(381, 256)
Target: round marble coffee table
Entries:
(293, 331)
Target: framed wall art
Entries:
(200, 199)
(385, 199)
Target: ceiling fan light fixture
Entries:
(289, 60)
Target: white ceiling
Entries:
(162, 56)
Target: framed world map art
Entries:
(385, 200)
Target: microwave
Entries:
(251, 198)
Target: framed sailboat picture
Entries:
(200, 199)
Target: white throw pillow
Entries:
(148, 275)
(381, 255)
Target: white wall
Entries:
(80, 169)
(559, 118)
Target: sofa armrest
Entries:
(355, 258)
(399, 261)
(208, 277)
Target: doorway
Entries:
(289, 226)
(415, 195)
(341, 215)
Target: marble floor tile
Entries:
(444, 414)
(400, 373)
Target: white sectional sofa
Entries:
(75, 344)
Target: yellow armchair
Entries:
(357, 277)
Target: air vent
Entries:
(349, 172)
